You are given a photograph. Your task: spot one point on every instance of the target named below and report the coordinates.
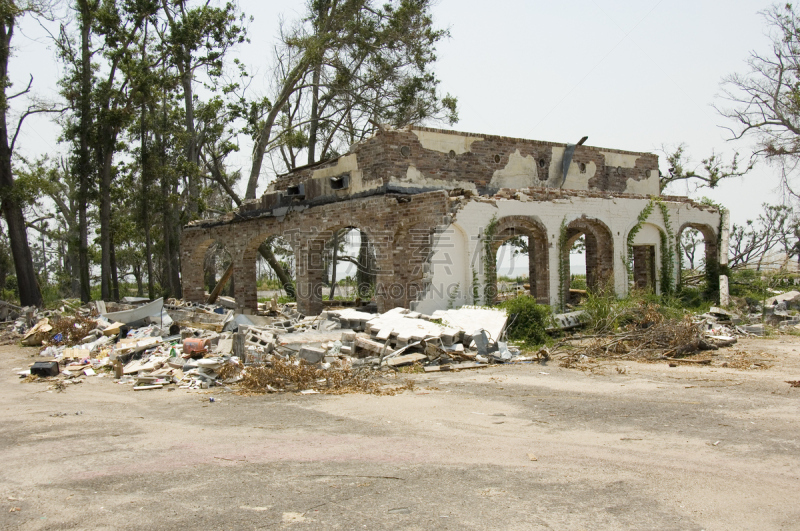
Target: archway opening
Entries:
(350, 268)
(512, 263)
(699, 263)
(218, 271)
(588, 257)
(276, 276)
(519, 261)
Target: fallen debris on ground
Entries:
(176, 344)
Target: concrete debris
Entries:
(205, 346)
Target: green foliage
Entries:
(475, 287)
(578, 282)
(606, 313)
(667, 250)
(640, 219)
(714, 169)
(528, 321)
(489, 232)
(667, 247)
(563, 265)
(451, 299)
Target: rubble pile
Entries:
(180, 345)
(175, 344)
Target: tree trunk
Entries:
(286, 280)
(29, 292)
(192, 154)
(145, 155)
(84, 161)
(137, 273)
(365, 274)
(105, 213)
(314, 119)
(114, 272)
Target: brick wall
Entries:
(388, 154)
(399, 228)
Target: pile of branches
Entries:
(72, 330)
(285, 374)
(650, 337)
(668, 338)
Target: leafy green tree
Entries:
(356, 65)
(198, 38)
(11, 11)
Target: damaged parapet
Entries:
(437, 205)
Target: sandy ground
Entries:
(623, 446)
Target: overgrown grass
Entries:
(605, 313)
(577, 282)
(528, 320)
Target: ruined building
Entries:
(436, 205)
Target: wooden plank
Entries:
(147, 387)
(221, 284)
(113, 329)
(408, 359)
(456, 367)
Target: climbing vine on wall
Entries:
(489, 260)
(667, 247)
(640, 219)
(563, 265)
(713, 268)
(667, 251)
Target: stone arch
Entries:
(192, 264)
(711, 244)
(599, 252)
(311, 267)
(244, 272)
(538, 246)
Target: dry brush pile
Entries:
(290, 375)
(647, 336)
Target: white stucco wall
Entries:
(458, 250)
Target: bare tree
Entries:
(752, 242)
(764, 101)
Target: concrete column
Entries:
(725, 225)
(310, 276)
(554, 259)
(193, 251)
(245, 287)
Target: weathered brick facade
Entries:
(418, 194)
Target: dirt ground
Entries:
(620, 446)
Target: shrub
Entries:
(527, 320)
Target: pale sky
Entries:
(631, 75)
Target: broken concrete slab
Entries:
(407, 359)
(568, 321)
(791, 298)
(471, 319)
(312, 355)
(372, 346)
